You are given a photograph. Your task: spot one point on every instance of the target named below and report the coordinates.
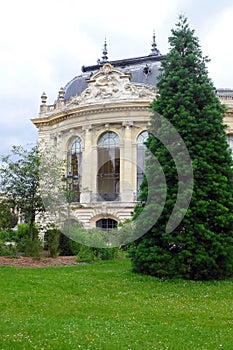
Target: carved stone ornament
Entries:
(112, 84)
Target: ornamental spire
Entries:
(105, 52)
(154, 50)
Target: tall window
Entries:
(141, 156)
(108, 174)
(230, 142)
(74, 168)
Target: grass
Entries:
(105, 306)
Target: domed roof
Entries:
(75, 86)
(144, 70)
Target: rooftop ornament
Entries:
(43, 98)
(154, 50)
(105, 52)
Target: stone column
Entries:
(87, 166)
(127, 166)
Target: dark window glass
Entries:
(106, 224)
(230, 142)
(141, 156)
(108, 175)
(74, 162)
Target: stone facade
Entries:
(110, 109)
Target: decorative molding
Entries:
(110, 83)
(59, 117)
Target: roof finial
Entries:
(154, 50)
(105, 52)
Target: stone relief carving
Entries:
(110, 83)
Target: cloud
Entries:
(45, 43)
(218, 44)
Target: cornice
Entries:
(91, 110)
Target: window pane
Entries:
(230, 142)
(74, 162)
(75, 157)
(108, 167)
(106, 224)
(141, 157)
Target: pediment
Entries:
(111, 84)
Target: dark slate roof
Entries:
(75, 86)
(144, 70)
(225, 91)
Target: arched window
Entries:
(141, 156)
(74, 162)
(106, 224)
(108, 174)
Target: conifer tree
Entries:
(201, 246)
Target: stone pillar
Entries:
(87, 166)
(127, 166)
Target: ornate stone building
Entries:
(98, 124)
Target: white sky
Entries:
(43, 45)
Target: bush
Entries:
(23, 231)
(8, 235)
(75, 247)
(52, 242)
(86, 254)
(64, 245)
(7, 249)
(87, 238)
(25, 244)
(32, 247)
(89, 254)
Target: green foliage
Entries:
(84, 253)
(32, 247)
(20, 181)
(8, 219)
(90, 254)
(23, 231)
(27, 241)
(7, 249)
(51, 239)
(8, 235)
(20, 241)
(65, 245)
(100, 238)
(201, 246)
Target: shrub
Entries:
(29, 246)
(89, 254)
(7, 249)
(86, 254)
(8, 235)
(32, 247)
(23, 231)
(52, 241)
(64, 245)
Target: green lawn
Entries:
(105, 306)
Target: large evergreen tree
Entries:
(201, 245)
